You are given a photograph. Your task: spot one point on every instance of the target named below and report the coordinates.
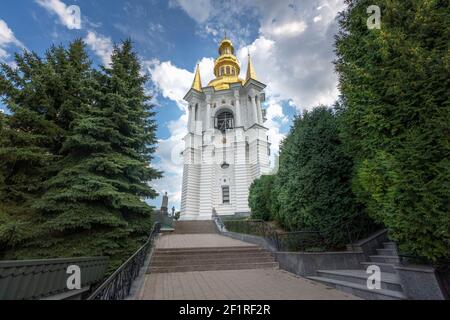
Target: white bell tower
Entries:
(226, 147)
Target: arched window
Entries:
(224, 121)
(222, 71)
(228, 70)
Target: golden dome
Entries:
(226, 67)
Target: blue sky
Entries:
(291, 43)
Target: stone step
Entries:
(390, 245)
(387, 259)
(206, 250)
(201, 256)
(360, 290)
(213, 261)
(216, 266)
(389, 281)
(384, 267)
(387, 252)
(195, 227)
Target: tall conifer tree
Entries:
(99, 191)
(75, 154)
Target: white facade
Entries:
(226, 148)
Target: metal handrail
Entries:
(118, 285)
(294, 240)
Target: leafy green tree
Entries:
(260, 197)
(396, 119)
(314, 181)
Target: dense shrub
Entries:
(314, 180)
(396, 119)
(260, 197)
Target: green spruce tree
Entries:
(27, 136)
(95, 204)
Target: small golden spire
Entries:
(197, 84)
(251, 73)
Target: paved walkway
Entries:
(174, 241)
(255, 284)
(258, 284)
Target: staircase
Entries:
(355, 281)
(165, 260)
(195, 227)
(207, 259)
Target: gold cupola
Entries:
(226, 67)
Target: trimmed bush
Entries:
(260, 196)
(396, 121)
(314, 181)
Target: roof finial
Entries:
(251, 73)
(197, 84)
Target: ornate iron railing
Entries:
(118, 285)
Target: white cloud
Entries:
(199, 10)
(293, 52)
(170, 159)
(7, 38)
(172, 83)
(101, 45)
(276, 119)
(289, 29)
(69, 16)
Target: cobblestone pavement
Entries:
(259, 284)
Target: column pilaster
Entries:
(237, 105)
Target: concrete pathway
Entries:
(254, 284)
